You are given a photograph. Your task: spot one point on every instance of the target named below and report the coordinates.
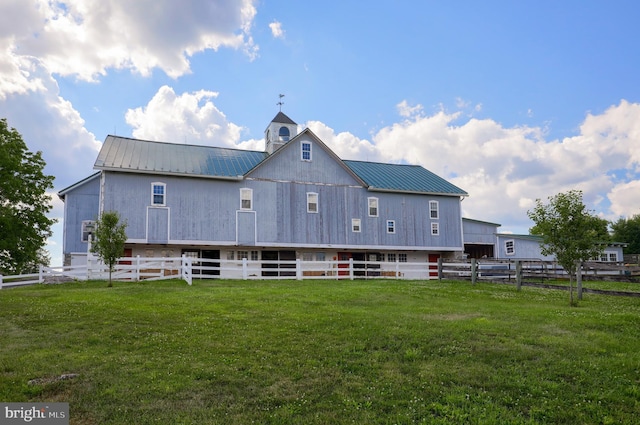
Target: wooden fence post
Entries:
(474, 271)
(518, 275)
(440, 272)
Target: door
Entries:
(433, 268)
(210, 254)
(343, 257)
(246, 228)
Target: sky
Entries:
(512, 101)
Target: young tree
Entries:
(24, 204)
(569, 231)
(110, 237)
(628, 230)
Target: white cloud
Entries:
(276, 29)
(187, 118)
(405, 110)
(86, 37)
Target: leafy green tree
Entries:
(24, 204)
(110, 237)
(569, 231)
(628, 230)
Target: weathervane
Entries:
(281, 102)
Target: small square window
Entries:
(391, 258)
(305, 149)
(613, 257)
(246, 198)
(373, 207)
(243, 254)
(355, 225)
(402, 258)
(435, 229)
(231, 255)
(158, 191)
(320, 256)
(510, 247)
(88, 228)
(391, 226)
(433, 210)
(312, 202)
(254, 256)
(307, 256)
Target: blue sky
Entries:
(511, 101)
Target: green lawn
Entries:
(321, 352)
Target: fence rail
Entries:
(138, 268)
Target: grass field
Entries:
(321, 352)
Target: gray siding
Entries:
(479, 232)
(80, 203)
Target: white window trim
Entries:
(302, 144)
(83, 230)
(164, 194)
(356, 222)
(437, 210)
(435, 229)
(311, 195)
(391, 229)
(513, 247)
(249, 191)
(377, 206)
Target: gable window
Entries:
(433, 209)
(312, 202)
(435, 229)
(355, 225)
(246, 198)
(391, 226)
(305, 149)
(158, 192)
(373, 207)
(88, 228)
(510, 247)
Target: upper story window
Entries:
(373, 207)
(158, 194)
(391, 226)
(246, 198)
(284, 134)
(433, 209)
(305, 151)
(312, 202)
(435, 229)
(355, 225)
(88, 228)
(510, 247)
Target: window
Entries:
(433, 210)
(402, 258)
(88, 228)
(158, 191)
(391, 226)
(391, 258)
(603, 256)
(435, 229)
(307, 256)
(373, 207)
(306, 151)
(312, 202)
(284, 134)
(355, 225)
(246, 198)
(320, 256)
(613, 257)
(254, 256)
(231, 255)
(243, 254)
(510, 247)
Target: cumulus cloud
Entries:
(120, 34)
(186, 118)
(276, 29)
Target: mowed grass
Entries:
(321, 352)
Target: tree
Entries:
(110, 237)
(24, 204)
(569, 231)
(628, 230)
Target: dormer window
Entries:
(284, 134)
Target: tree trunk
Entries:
(571, 288)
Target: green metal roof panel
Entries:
(155, 157)
(402, 178)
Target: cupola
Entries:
(280, 131)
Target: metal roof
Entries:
(121, 153)
(402, 178)
(142, 156)
(282, 118)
